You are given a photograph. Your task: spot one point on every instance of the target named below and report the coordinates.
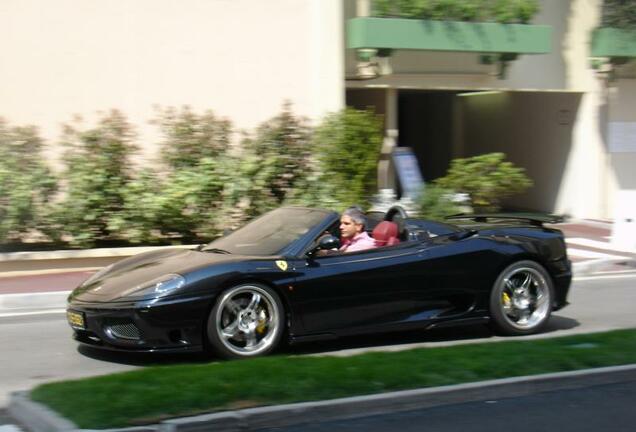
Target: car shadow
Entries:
(558, 323)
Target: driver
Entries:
(353, 237)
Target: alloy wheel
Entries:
(525, 298)
(247, 320)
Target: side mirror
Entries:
(328, 242)
(325, 243)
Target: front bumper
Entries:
(147, 326)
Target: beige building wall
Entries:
(240, 58)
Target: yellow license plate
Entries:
(75, 319)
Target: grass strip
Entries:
(158, 392)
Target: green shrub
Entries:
(275, 162)
(98, 167)
(435, 203)
(503, 11)
(183, 203)
(183, 206)
(619, 13)
(139, 222)
(189, 137)
(468, 10)
(347, 149)
(514, 11)
(487, 179)
(26, 183)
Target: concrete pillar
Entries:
(363, 8)
(327, 57)
(386, 172)
(583, 188)
(458, 129)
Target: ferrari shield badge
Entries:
(282, 265)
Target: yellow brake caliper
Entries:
(505, 299)
(262, 322)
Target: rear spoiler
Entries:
(536, 219)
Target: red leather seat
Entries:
(386, 234)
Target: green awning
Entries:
(413, 34)
(613, 42)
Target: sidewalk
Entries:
(590, 249)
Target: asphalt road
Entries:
(39, 348)
(608, 408)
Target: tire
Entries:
(246, 321)
(521, 299)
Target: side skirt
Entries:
(441, 324)
(459, 322)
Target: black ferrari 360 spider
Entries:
(242, 293)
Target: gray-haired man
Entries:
(353, 237)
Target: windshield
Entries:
(269, 234)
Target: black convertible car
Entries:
(242, 293)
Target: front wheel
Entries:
(521, 299)
(246, 321)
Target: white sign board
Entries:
(624, 230)
(622, 137)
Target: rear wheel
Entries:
(246, 321)
(521, 299)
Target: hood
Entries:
(116, 282)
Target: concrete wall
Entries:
(533, 129)
(240, 58)
(622, 154)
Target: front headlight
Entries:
(159, 286)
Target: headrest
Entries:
(385, 233)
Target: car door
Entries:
(351, 292)
(462, 270)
